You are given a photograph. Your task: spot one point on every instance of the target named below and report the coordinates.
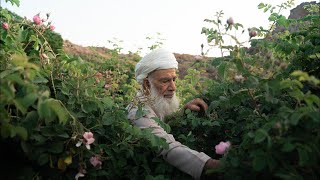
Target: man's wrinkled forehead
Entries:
(163, 73)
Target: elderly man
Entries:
(156, 72)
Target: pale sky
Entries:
(179, 22)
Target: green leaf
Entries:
(261, 5)
(259, 162)
(21, 131)
(108, 119)
(303, 156)
(23, 103)
(108, 102)
(23, 34)
(14, 2)
(295, 117)
(260, 135)
(315, 115)
(60, 111)
(19, 104)
(7, 90)
(15, 77)
(282, 21)
(222, 70)
(140, 112)
(5, 130)
(216, 123)
(45, 111)
(56, 147)
(43, 159)
(164, 125)
(40, 80)
(89, 106)
(287, 147)
(50, 108)
(273, 17)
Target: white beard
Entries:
(163, 106)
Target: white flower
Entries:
(88, 146)
(79, 174)
(238, 78)
(78, 143)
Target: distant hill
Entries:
(91, 53)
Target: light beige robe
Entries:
(178, 155)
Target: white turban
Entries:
(157, 59)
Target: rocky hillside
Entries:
(100, 53)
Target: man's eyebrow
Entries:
(168, 78)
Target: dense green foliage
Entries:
(264, 100)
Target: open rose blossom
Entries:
(88, 139)
(222, 147)
(37, 19)
(88, 136)
(5, 26)
(95, 161)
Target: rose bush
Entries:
(264, 100)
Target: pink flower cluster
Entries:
(222, 147)
(38, 21)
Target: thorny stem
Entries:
(220, 44)
(54, 55)
(254, 101)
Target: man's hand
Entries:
(210, 164)
(196, 105)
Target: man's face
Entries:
(163, 81)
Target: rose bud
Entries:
(37, 19)
(230, 21)
(5, 26)
(252, 34)
(51, 27)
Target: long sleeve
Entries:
(178, 155)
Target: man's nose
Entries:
(172, 86)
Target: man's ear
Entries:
(146, 84)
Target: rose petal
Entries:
(88, 146)
(79, 175)
(78, 143)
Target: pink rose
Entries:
(37, 20)
(88, 136)
(5, 26)
(107, 86)
(51, 27)
(95, 161)
(222, 147)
